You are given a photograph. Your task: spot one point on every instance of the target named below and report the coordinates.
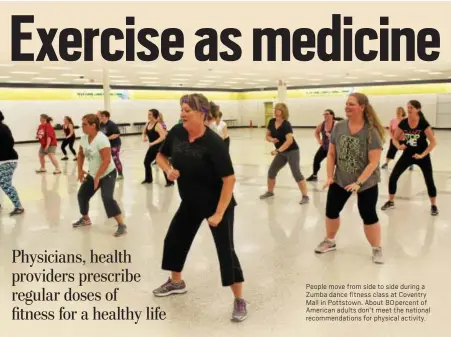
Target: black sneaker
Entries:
(16, 211)
(388, 205)
(385, 166)
(434, 210)
(312, 178)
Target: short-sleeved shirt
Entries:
(415, 138)
(46, 131)
(110, 128)
(281, 134)
(202, 165)
(92, 153)
(352, 157)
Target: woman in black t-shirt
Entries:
(280, 133)
(417, 132)
(205, 178)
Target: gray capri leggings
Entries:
(281, 159)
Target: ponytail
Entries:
(370, 116)
(374, 123)
(47, 118)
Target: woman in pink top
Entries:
(391, 153)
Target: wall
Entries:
(307, 105)
(22, 106)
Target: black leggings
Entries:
(403, 163)
(70, 142)
(150, 157)
(391, 153)
(180, 236)
(366, 202)
(319, 157)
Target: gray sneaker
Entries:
(170, 288)
(305, 200)
(82, 222)
(267, 195)
(121, 230)
(325, 246)
(239, 310)
(377, 256)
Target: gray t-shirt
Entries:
(352, 154)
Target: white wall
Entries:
(307, 112)
(23, 116)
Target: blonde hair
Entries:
(403, 112)
(370, 116)
(282, 107)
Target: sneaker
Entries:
(313, 177)
(120, 177)
(411, 168)
(377, 256)
(266, 195)
(64, 158)
(239, 310)
(384, 166)
(170, 288)
(434, 210)
(82, 222)
(169, 184)
(16, 211)
(121, 230)
(388, 205)
(326, 246)
(305, 200)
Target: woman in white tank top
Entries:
(222, 129)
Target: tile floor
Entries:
(274, 241)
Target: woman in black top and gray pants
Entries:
(8, 164)
(280, 133)
(416, 131)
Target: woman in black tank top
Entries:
(155, 135)
(68, 128)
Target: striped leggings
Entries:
(117, 162)
(6, 177)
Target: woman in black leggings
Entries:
(323, 129)
(417, 132)
(155, 136)
(205, 175)
(69, 132)
(353, 166)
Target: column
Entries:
(106, 90)
(281, 91)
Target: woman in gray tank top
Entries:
(353, 167)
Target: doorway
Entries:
(269, 112)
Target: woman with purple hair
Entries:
(205, 178)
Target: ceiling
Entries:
(201, 75)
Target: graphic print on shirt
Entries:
(349, 152)
(89, 153)
(411, 137)
(41, 133)
(188, 149)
